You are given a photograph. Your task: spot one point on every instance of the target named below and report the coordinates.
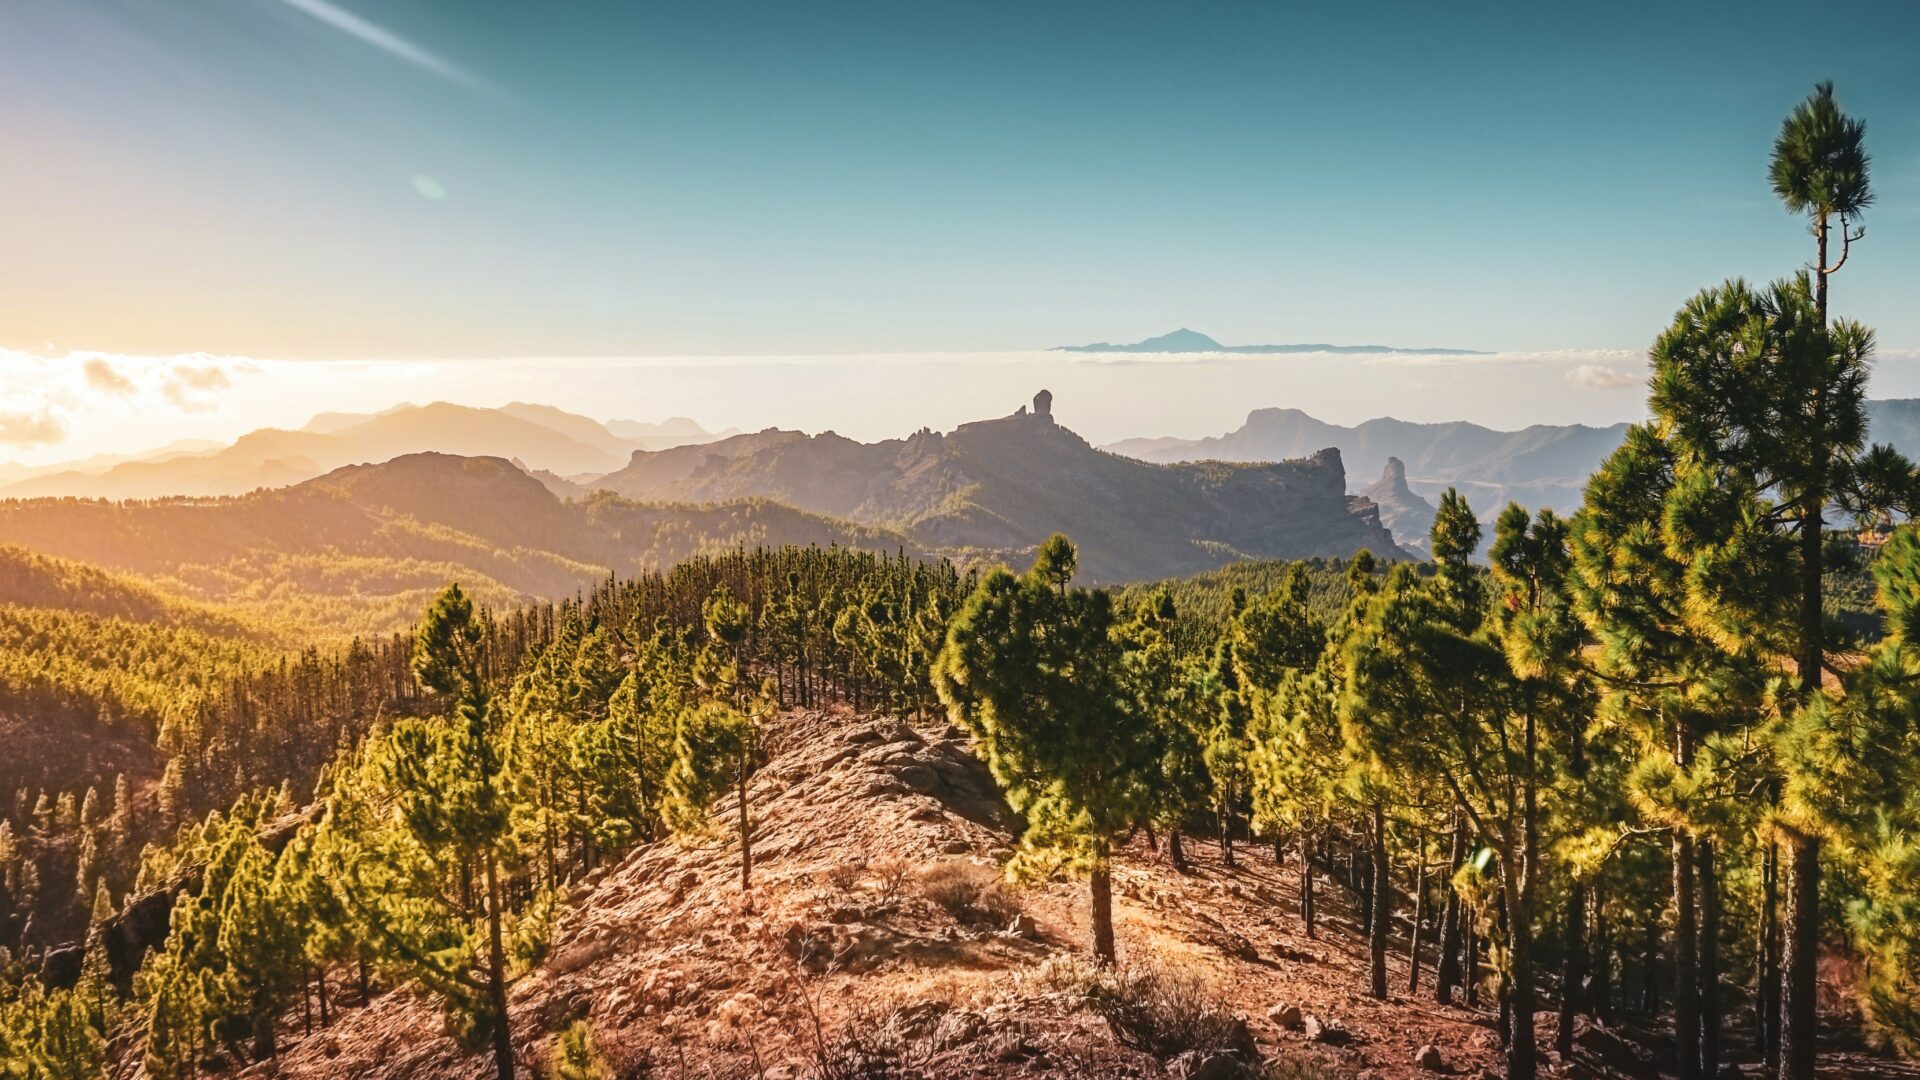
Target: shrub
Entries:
(891, 875)
(971, 894)
(843, 876)
(1166, 1011)
(575, 1057)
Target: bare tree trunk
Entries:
(1176, 851)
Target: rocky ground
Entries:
(839, 964)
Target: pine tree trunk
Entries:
(1306, 888)
(1447, 972)
(1419, 916)
(1470, 953)
(746, 833)
(497, 976)
(1573, 965)
(1600, 1000)
(1797, 1048)
(1377, 924)
(1650, 973)
(1226, 830)
(1709, 963)
(1522, 1057)
(1686, 990)
(1767, 956)
(1176, 852)
(1101, 890)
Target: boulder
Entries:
(1286, 1017)
(1428, 1058)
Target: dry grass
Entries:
(971, 894)
(1166, 1011)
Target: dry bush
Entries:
(1167, 1011)
(1300, 1066)
(891, 876)
(1063, 974)
(843, 876)
(971, 894)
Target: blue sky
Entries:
(408, 179)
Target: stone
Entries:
(1428, 1057)
(1329, 1031)
(1024, 926)
(1285, 1017)
(955, 846)
(1206, 1065)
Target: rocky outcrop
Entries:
(995, 489)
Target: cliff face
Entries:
(996, 488)
(1405, 513)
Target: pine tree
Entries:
(1034, 670)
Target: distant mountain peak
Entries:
(1185, 340)
(1395, 473)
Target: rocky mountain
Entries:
(1545, 465)
(540, 436)
(1405, 514)
(1542, 465)
(1184, 340)
(999, 487)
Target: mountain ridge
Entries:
(1185, 340)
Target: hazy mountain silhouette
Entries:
(1184, 340)
(1001, 486)
(540, 436)
(361, 548)
(1545, 465)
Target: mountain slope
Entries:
(999, 487)
(669, 963)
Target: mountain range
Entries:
(1002, 486)
(1184, 340)
(540, 436)
(1544, 465)
(364, 545)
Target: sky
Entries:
(873, 216)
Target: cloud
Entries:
(196, 387)
(37, 427)
(389, 42)
(1602, 377)
(107, 379)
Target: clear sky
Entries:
(407, 180)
